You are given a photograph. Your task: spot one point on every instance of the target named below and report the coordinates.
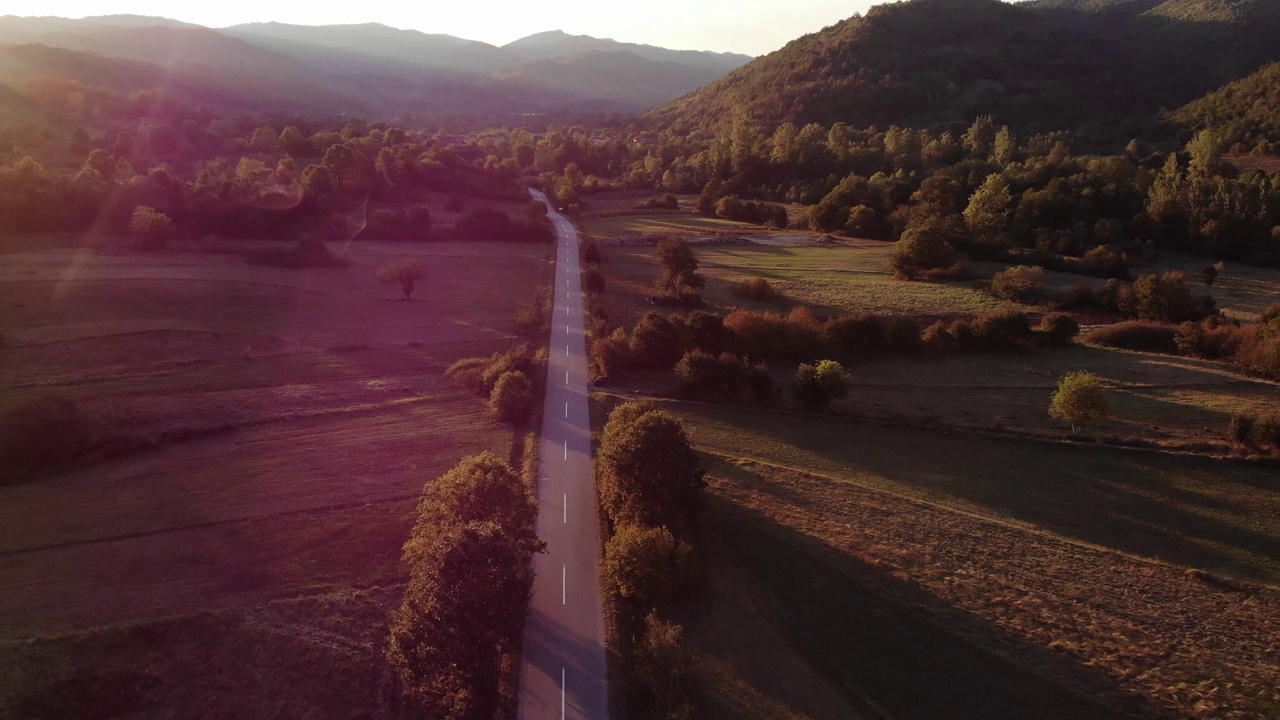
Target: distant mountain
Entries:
(942, 62)
(556, 44)
(621, 78)
(403, 49)
(383, 70)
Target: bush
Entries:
(655, 342)
(518, 359)
(1058, 329)
(1166, 298)
(512, 397)
(1267, 431)
(1136, 335)
(1209, 339)
(1005, 330)
(609, 358)
(1241, 428)
(760, 384)
(43, 433)
(937, 339)
(927, 245)
(467, 374)
(1018, 283)
(817, 385)
(858, 335)
(666, 202)
(904, 336)
(759, 335)
(591, 252)
(665, 672)
(757, 290)
(150, 228)
(703, 331)
(593, 281)
(709, 376)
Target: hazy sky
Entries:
(754, 27)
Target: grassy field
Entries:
(280, 426)
(830, 279)
(1000, 578)
(660, 223)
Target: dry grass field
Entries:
(276, 428)
(995, 578)
(660, 223)
(831, 279)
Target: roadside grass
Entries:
(945, 574)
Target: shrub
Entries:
(1136, 335)
(468, 373)
(759, 335)
(1166, 298)
(1002, 330)
(937, 339)
(1018, 283)
(610, 357)
(703, 331)
(1058, 329)
(512, 397)
(1241, 427)
(518, 359)
(666, 202)
(757, 290)
(926, 245)
(760, 384)
(1209, 275)
(591, 252)
(593, 281)
(43, 432)
(817, 385)
(150, 228)
(1079, 400)
(858, 335)
(904, 336)
(665, 672)
(709, 376)
(1209, 339)
(1267, 431)
(655, 342)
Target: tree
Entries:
(679, 267)
(1206, 150)
(858, 335)
(463, 609)
(645, 566)
(1079, 400)
(593, 281)
(512, 397)
(150, 228)
(649, 473)
(706, 375)
(293, 142)
(817, 385)
(405, 274)
(654, 341)
(926, 245)
(1209, 275)
(989, 211)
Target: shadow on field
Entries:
(1192, 511)
(869, 632)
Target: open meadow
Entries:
(1038, 580)
(265, 436)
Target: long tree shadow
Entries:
(1132, 501)
(879, 638)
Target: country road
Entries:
(562, 672)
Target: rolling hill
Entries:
(1106, 73)
(619, 78)
(556, 44)
(1245, 111)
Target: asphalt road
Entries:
(562, 672)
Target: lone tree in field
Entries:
(405, 274)
(679, 267)
(1079, 400)
(817, 385)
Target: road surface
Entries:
(562, 672)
